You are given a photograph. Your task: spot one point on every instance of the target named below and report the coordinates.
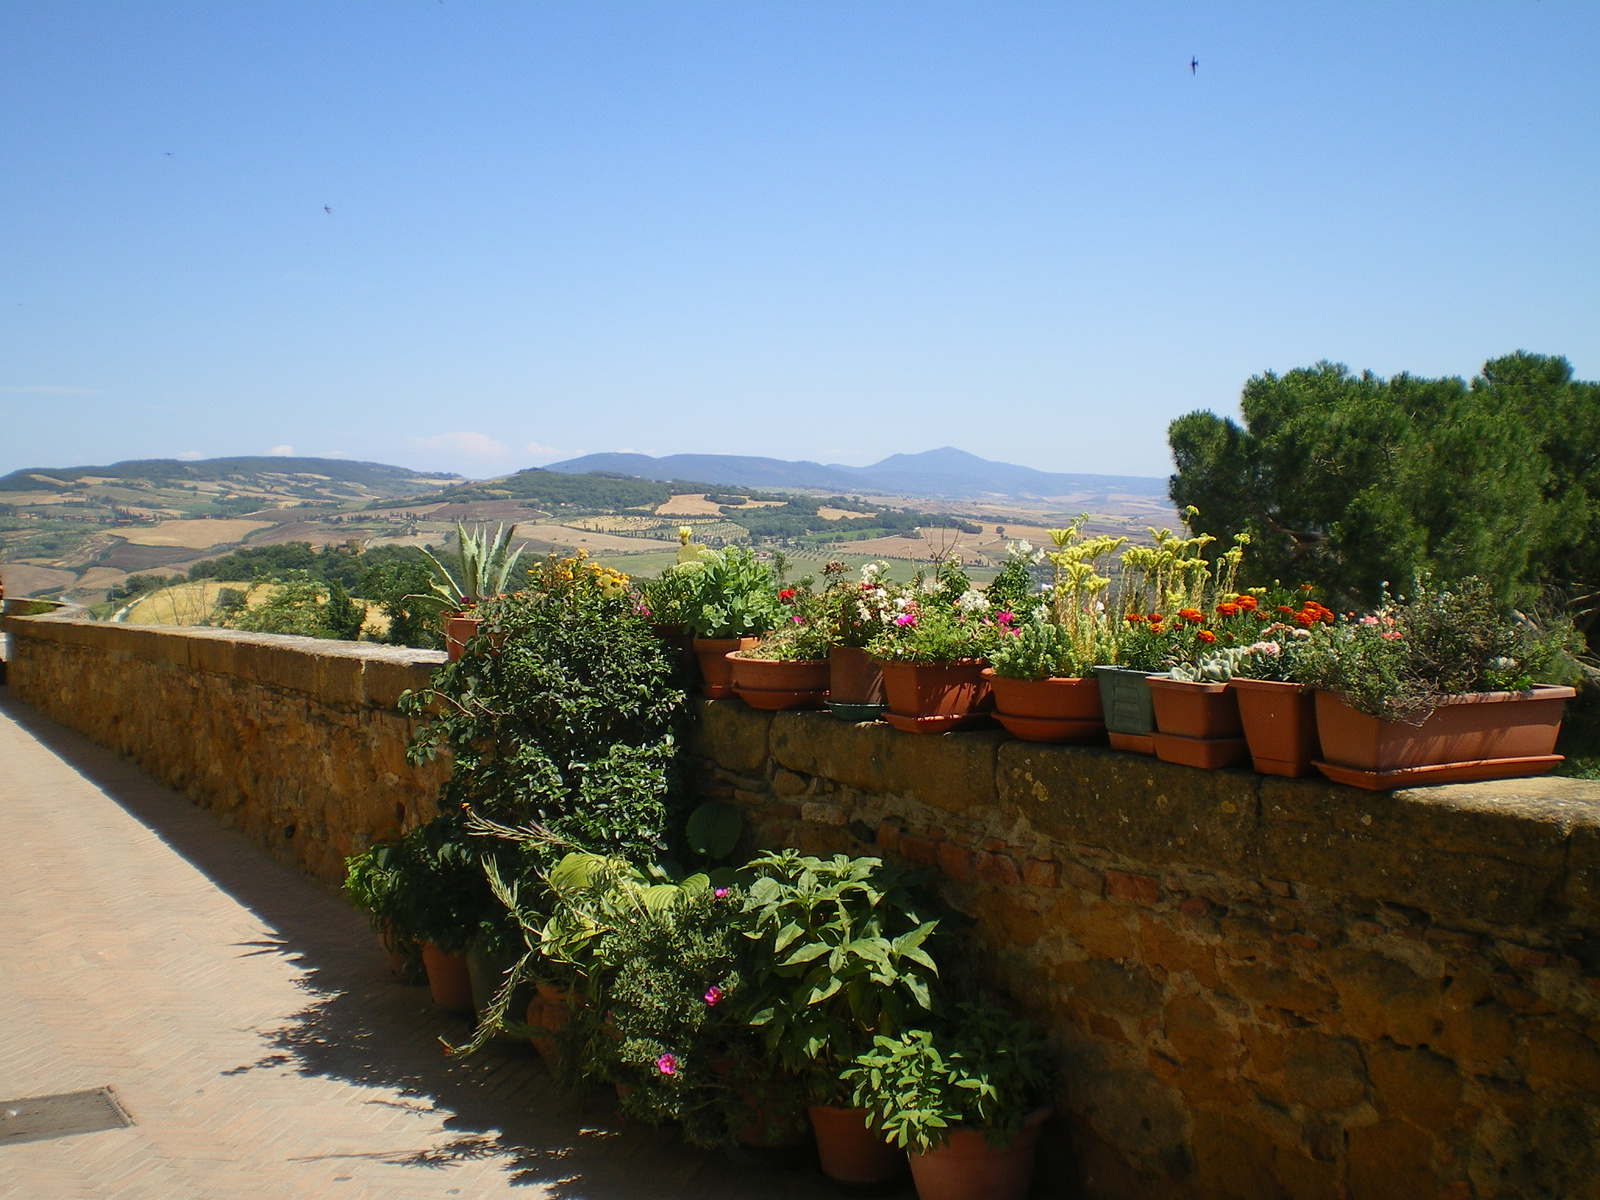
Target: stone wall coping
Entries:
(1512, 851)
(336, 672)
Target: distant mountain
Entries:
(304, 473)
(945, 473)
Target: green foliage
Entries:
(842, 959)
(1037, 649)
(732, 594)
(1397, 663)
(554, 489)
(427, 886)
(985, 1070)
(562, 714)
(299, 605)
(393, 576)
(713, 830)
(1350, 481)
(481, 568)
(135, 586)
(259, 563)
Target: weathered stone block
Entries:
(998, 869)
(1140, 889)
(1391, 1159)
(952, 771)
(734, 735)
(1140, 807)
(1381, 997)
(1415, 1084)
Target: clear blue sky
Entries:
(828, 231)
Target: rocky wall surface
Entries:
(1260, 988)
(296, 741)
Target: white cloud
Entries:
(281, 452)
(189, 455)
(543, 453)
(473, 445)
(53, 391)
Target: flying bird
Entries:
(1194, 65)
(327, 209)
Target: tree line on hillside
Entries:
(1357, 483)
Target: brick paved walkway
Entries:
(245, 1019)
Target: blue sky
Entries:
(828, 231)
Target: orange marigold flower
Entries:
(1286, 610)
(1191, 614)
(1248, 603)
(1134, 618)
(1156, 618)
(1206, 636)
(1305, 619)
(1228, 609)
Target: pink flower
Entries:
(798, 620)
(1390, 636)
(719, 893)
(906, 619)
(1003, 619)
(713, 994)
(667, 1065)
(1369, 620)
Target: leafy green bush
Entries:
(1037, 649)
(985, 1070)
(729, 594)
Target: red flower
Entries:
(1228, 609)
(1206, 636)
(1156, 618)
(1248, 603)
(1133, 618)
(786, 596)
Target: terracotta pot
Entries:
(1280, 725)
(716, 672)
(853, 676)
(851, 1153)
(1194, 710)
(1206, 753)
(773, 686)
(1048, 710)
(449, 981)
(548, 1011)
(924, 698)
(458, 631)
(966, 1168)
(1486, 735)
(1125, 705)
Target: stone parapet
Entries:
(296, 741)
(1259, 987)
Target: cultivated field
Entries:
(193, 535)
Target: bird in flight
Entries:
(1194, 65)
(327, 208)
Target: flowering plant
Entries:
(859, 610)
(804, 631)
(717, 593)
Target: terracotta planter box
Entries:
(716, 672)
(458, 631)
(1194, 710)
(966, 1168)
(1280, 725)
(1125, 705)
(853, 676)
(933, 699)
(774, 686)
(449, 981)
(1048, 710)
(1486, 735)
(849, 1152)
(1208, 754)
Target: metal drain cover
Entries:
(40, 1117)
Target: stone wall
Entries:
(1260, 987)
(296, 741)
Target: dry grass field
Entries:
(193, 535)
(592, 540)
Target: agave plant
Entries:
(482, 567)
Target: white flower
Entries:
(972, 601)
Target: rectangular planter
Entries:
(1280, 725)
(1485, 735)
(929, 698)
(1125, 704)
(1194, 710)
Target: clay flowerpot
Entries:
(928, 698)
(1197, 724)
(1048, 710)
(773, 686)
(449, 981)
(851, 1153)
(1280, 725)
(458, 631)
(854, 678)
(967, 1168)
(548, 1011)
(1485, 735)
(716, 672)
(1125, 704)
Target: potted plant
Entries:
(788, 669)
(842, 960)
(1445, 687)
(1279, 715)
(481, 568)
(932, 656)
(1039, 669)
(859, 611)
(375, 881)
(731, 599)
(1196, 713)
(967, 1099)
